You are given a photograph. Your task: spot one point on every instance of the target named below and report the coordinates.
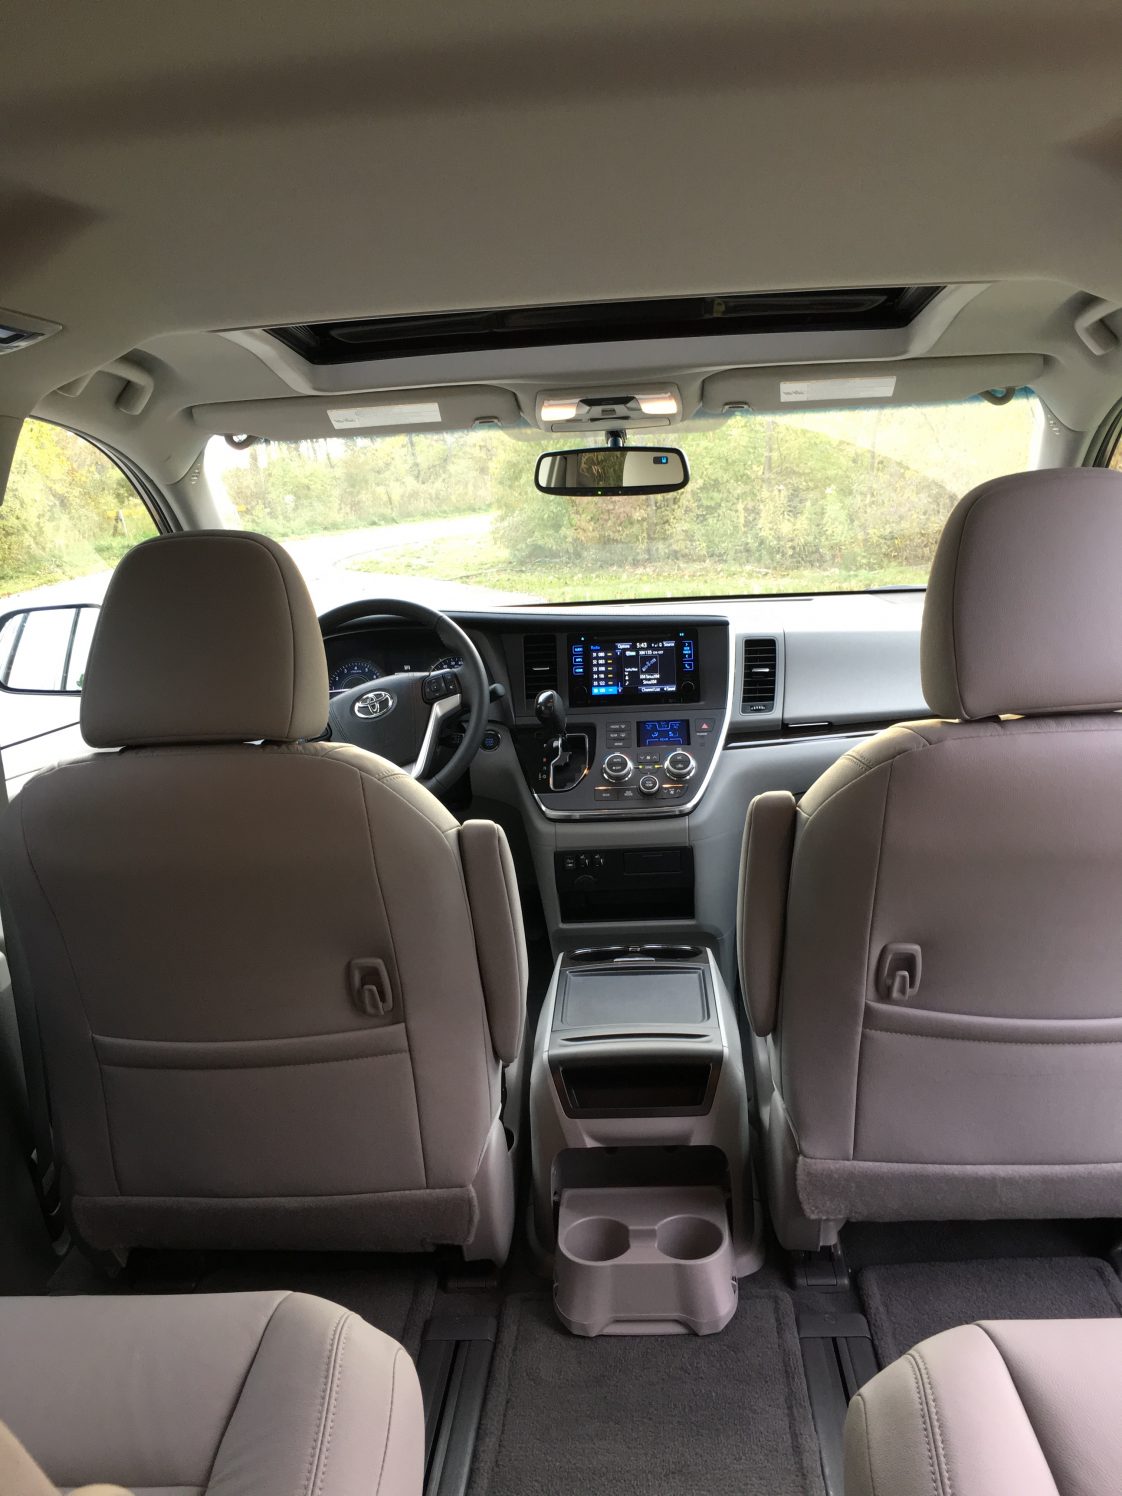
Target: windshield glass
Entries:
(801, 502)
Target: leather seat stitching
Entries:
(930, 1389)
(389, 1424)
(1017, 1391)
(284, 1298)
(314, 1467)
(925, 1422)
(337, 1379)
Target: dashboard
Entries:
(686, 711)
(357, 656)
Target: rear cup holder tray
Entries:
(644, 1262)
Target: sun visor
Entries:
(918, 381)
(389, 412)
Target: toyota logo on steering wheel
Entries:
(375, 704)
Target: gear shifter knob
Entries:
(550, 712)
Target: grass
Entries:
(476, 558)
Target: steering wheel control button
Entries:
(649, 784)
(618, 768)
(680, 765)
(491, 740)
(441, 684)
(374, 704)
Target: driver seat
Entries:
(276, 982)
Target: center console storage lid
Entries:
(632, 997)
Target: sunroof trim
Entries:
(369, 339)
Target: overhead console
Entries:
(638, 720)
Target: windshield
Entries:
(829, 501)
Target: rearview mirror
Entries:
(607, 472)
(43, 651)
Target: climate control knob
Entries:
(618, 767)
(680, 765)
(649, 784)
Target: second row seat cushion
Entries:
(245, 1394)
(1032, 1407)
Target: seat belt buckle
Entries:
(899, 972)
(370, 988)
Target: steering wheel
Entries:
(400, 716)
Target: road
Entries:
(324, 561)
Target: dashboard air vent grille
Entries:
(758, 691)
(539, 661)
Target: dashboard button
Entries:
(491, 740)
(673, 791)
(618, 767)
(603, 792)
(631, 793)
(680, 765)
(649, 784)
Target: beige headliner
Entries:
(168, 170)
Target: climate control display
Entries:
(673, 730)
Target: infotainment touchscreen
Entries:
(647, 667)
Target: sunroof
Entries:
(369, 338)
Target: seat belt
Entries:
(41, 1160)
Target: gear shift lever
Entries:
(549, 709)
(572, 759)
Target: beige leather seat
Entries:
(981, 854)
(1032, 1407)
(197, 915)
(244, 1394)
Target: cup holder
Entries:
(689, 1238)
(597, 1239)
(644, 1260)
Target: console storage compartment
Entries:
(644, 1261)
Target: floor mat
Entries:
(723, 1415)
(906, 1303)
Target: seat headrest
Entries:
(1024, 605)
(206, 637)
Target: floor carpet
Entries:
(723, 1415)
(905, 1303)
(395, 1298)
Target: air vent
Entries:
(539, 663)
(758, 691)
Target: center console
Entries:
(642, 1191)
(645, 714)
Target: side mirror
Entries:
(43, 651)
(612, 472)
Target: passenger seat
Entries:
(207, 1395)
(1029, 1406)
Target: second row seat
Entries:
(241, 1394)
(1030, 1406)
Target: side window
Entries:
(1116, 458)
(69, 515)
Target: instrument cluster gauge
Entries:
(353, 673)
(446, 662)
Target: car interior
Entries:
(561, 716)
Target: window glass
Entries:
(796, 501)
(69, 515)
